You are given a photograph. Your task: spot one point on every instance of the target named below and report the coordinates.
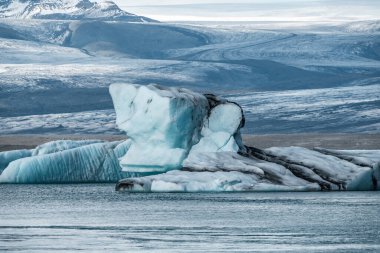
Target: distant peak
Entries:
(66, 10)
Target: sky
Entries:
(254, 10)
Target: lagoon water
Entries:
(50, 218)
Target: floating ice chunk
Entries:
(166, 124)
(162, 123)
(7, 157)
(90, 163)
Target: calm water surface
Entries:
(35, 218)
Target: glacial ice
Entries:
(221, 128)
(61, 145)
(338, 171)
(220, 171)
(8, 156)
(162, 123)
(181, 141)
(172, 123)
(192, 142)
(67, 162)
(184, 181)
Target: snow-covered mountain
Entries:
(66, 10)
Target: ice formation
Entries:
(56, 146)
(9, 156)
(192, 142)
(66, 162)
(334, 171)
(182, 141)
(167, 125)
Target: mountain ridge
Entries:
(67, 10)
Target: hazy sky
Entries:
(254, 10)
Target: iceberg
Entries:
(192, 142)
(181, 141)
(275, 169)
(162, 124)
(67, 162)
(165, 125)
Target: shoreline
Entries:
(307, 140)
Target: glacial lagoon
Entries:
(93, 217)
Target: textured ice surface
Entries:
(184, 181)
(61, 145)
(67, 162)
(344, 174)
(364, 158)
(361, 157)
(222, 171)
(304, 170)
(8, 156)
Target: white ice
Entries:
(162, 123)
(349, 175)
(184, 181)
(198, 136)
(166, 125)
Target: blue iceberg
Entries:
(67, 162)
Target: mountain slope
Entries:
(66, 10)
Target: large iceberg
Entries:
(162, 124)
(166, 124)
(181, 141)
(191, 142)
